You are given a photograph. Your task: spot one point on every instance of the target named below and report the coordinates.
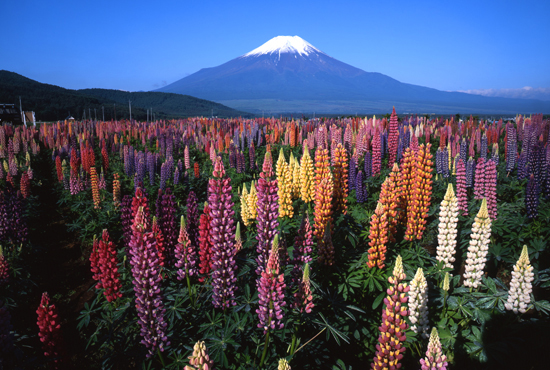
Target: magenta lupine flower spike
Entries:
(186, 256)
(435, 359)
(271, 288)
(479, 182)
(146, 273)
(50, 330)
(376, 153)
(105, 267)
(393, 138)
(268, 211)
(186, 159)
(491, 188)
(4, 269)
(223, 238)
(303, 299)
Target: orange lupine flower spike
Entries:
(420, 193)
(322, 215)
(95, 187)
(322, 169)
(390, 200)
(340, 179)
(116, 190)
(378, 238)
(405, 183)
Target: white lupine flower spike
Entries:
(418, 304)
(478, 248)
(519, 295)
(448, 220)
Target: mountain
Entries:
(288, 74)
(51, 103)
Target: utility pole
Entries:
(130, 105)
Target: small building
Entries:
(28, 118)
(10, 113)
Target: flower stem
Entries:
(265, 349)
(189, 287)
(316, 335)
(293, 345)
(161, 358)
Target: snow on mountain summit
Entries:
(285, 44)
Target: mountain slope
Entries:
(52, 103)
(289, 73)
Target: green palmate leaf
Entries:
(378, 300)
(340, 365)
(331, 330)
(541, 306)
(543, 278)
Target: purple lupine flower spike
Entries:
(303, 246)
(186, 255)
(223, 238)
(368, 164)
(268, 211)
(166, 215)
(271, 288)
(470, 169)
(146, 273)
(532, 197)
(193, 218)
(360, 189)
(352, 173)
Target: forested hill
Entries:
(52, 103)
(176, 104)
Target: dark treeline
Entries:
(52, 103)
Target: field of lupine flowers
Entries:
(276, 244)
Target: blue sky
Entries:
(141, 45)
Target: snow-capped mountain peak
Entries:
(285, 44)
